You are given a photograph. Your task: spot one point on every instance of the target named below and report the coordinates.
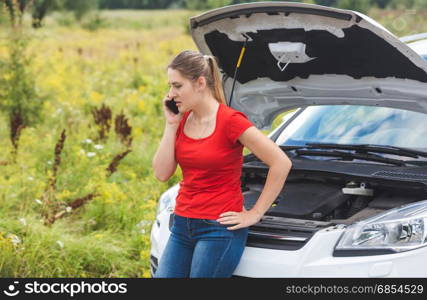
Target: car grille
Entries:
(277, 239)
(282, 233)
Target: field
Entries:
(86, 211)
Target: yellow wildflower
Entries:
(99, 235)
(137, 131)
(96, 97)
(141, 105)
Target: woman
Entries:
(206, 139)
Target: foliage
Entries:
(417, 4)
(41, 8)
(205, 4)
(18, 96)
(94, 22)
(83, 8)
(208, 4)
(358, 5)
(80, 7)
(106, 235)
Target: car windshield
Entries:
(354, 124)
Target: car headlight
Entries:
(167, 200)
(397, 230)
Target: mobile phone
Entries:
(171, 104)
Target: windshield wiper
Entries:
(252, 157)
(364, 148)
(351, 156)
(361, 152)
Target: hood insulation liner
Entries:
(360, 53)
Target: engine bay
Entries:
(331, 199)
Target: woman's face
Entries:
(185, 92)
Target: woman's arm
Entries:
(164, 163)
(280, 165)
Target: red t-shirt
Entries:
(211, 167)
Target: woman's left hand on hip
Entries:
(241, 219)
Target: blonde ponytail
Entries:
(218, 90)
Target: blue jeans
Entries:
(201, 248)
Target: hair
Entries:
(193, 64)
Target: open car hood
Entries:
(300, 54)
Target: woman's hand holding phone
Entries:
(172, 114)
(171, 104)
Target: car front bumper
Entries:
(314, 259)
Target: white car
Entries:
(355, 201)
(418, 42)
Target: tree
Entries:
(139, 4)
(80, 7)
(16, 9)
(41, 8)
(206, 4)
(382, 3)
(408, 4)
(357, 5)
(327, 2)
